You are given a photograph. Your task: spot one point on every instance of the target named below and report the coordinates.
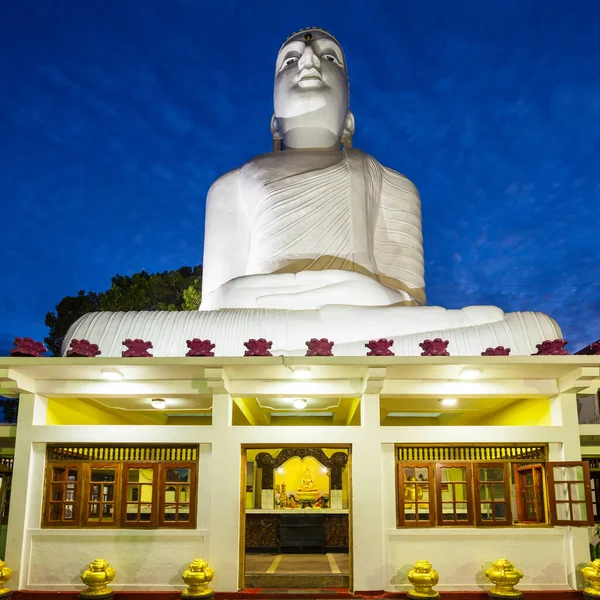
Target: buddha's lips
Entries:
(310, 74)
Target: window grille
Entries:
(476, 453)
(123, 453)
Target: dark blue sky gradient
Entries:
(117, 115)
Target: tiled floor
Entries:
(297, 563)
(297, 570)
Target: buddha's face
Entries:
(311, 84)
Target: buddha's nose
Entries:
(309, 60)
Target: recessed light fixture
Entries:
(158, 403)
(302, 372)
(299, 403)
(449, 401)
(111, 375)
(470, 373)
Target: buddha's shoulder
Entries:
(389, 177)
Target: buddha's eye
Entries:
(291, 60)
(332, 58)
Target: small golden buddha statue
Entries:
(308, 492)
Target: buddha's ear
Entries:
(277, 139)
(348, 130)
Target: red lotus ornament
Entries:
(551, 348)
(198, 347)
(259, 347)
(28, 347)
(595, 348)
(320, 347)
(436, 347)
(497, 351)
(136, 348)
(380, 347)
(83, 349)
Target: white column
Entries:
(563, 413)
(224, 481)
(367, 506)
(27, 483)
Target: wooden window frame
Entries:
(587, 491)
(86, 501)
(469, 493)
(479, 521)
(162, 486)
(81, 499)
(400, 518)
(539, 487)
(595, 477)
(152, 523)
(76, 521)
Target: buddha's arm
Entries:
(226, 235)
(398, 237)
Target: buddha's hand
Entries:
(303, 291)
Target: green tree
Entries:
(171, 290)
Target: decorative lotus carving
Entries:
(380, 347)
(259, 347)
(320, 347)
(136, 348)
(551, 348)
(28, 347)
(595, 348)
(198, 347)
(497, 351)
(83, 349)
(436, 347)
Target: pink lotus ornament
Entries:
(436, 347)
(198, 347)
(595, 348)
(320, 347)
(136, 348)
(28, 347)
(380, 347)
(551, 348)
(497, 351)
(83, 349)
(259, 347)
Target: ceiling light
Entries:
(111, 375)
(158, 403)
(302, 373)
(449, 401)
(299, 403)
(470, 373)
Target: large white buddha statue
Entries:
(315, 239)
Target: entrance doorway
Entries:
(296, 519)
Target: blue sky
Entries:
(116, 116)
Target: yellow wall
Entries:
(527, 412)
(74, 411)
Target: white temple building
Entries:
(359, 465)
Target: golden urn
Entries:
(5, 575)
(97, 577)
(197, 577)
(591, 574)
(504, 576)
(423, 577)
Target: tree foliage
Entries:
(170, 290)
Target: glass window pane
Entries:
(183, 514)
(171, 512)
(178, 475)
(133, 493)
(486, 511)
(577, 491)
(145, 512)
(69, 513)
(561, 491)
(498, 491)
(453, 474)
(58, 474)
(461, 509)
(579, 510)
(563, 512)
(133, 475)
(103, 474)
(491, 474)
(57, 492)
(485, 491)
(500, 510)
(568, 473)
(184, 493)
(55, 511)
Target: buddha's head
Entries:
(311, 95)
